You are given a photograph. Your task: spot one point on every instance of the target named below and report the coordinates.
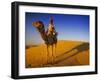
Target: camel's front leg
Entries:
(47, 54)
(55, 45)
(52, 55)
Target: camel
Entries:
(49, 36)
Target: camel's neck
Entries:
(41, 30)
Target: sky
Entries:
(69, 27)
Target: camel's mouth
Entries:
(34, 24)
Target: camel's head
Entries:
(37, 24)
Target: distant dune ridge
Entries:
(68, 53)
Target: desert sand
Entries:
(68, 53)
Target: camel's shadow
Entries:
(79, 48)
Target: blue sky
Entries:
(68, 26)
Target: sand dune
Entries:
(68, 53)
